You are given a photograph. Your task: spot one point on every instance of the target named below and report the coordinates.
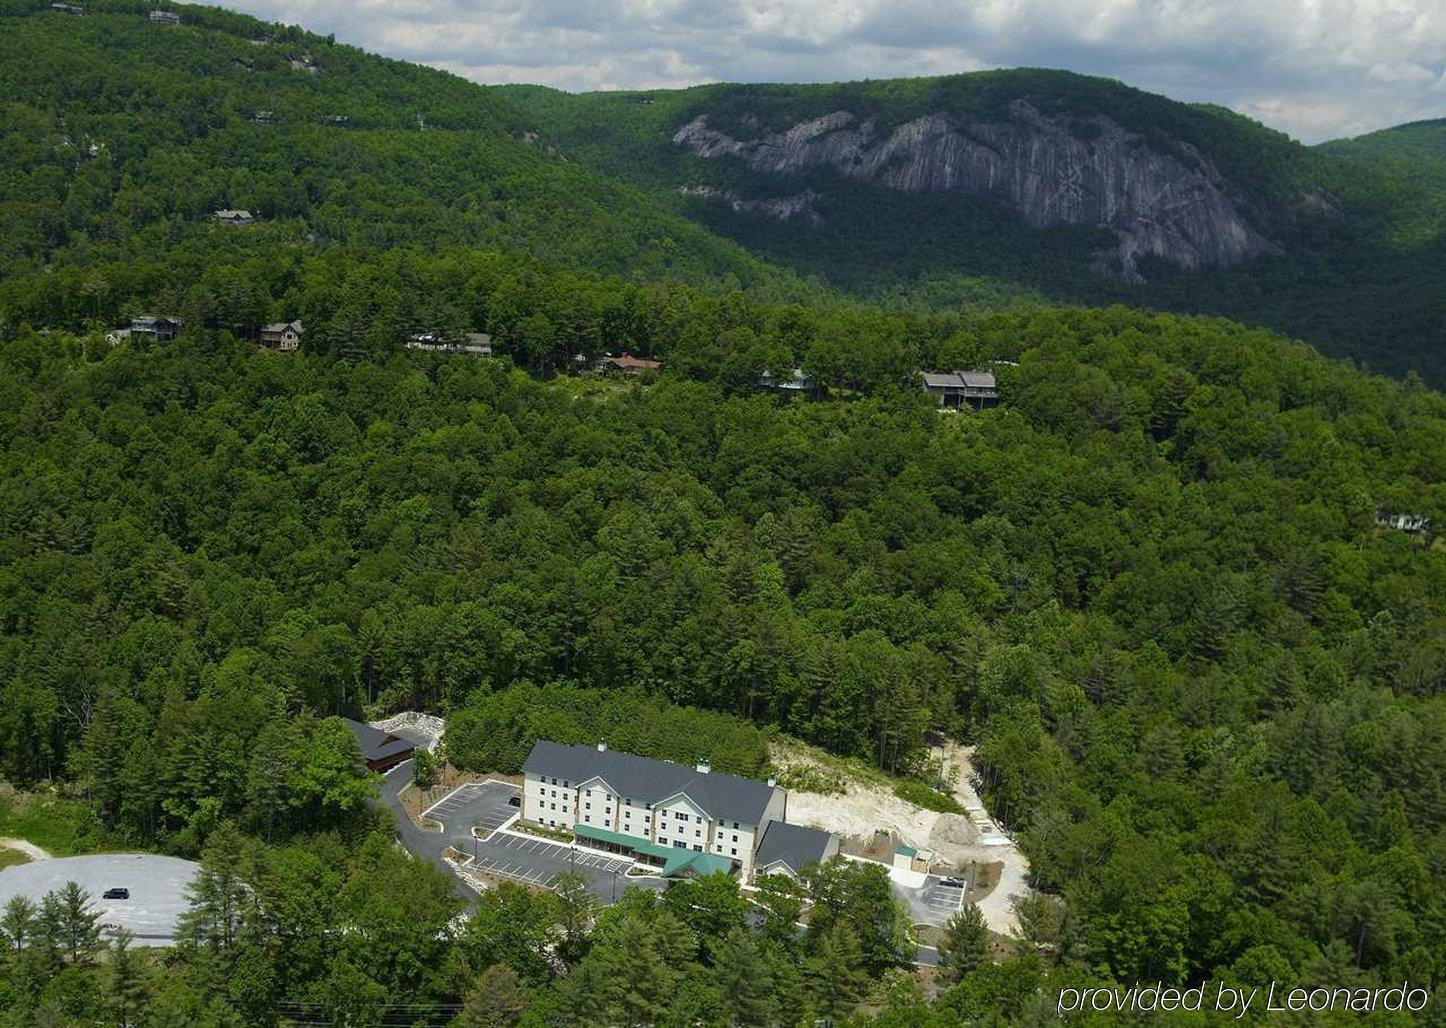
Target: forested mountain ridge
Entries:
(122, 136)
(1206, 684)
(1081, 188)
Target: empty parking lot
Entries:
(539, 862)
(484, 805)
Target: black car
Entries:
(514, 801)
(117, 894)
(957, 883)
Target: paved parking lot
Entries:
(157, 889)
(485, 805)
(539, 862)
(933, 902)
(947, 899)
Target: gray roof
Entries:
(942, 380)
(282, 326)
(376, 744)
(642, 779)
(974, 379)
(794, 845)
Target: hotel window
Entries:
(735, 837)
(735, 851)
(698, 848)
(587, 806)
(682, 816)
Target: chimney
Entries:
(703, 767)
(602, 746)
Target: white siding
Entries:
(679, 819)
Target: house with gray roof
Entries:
(651, 809)
(955, 390)
(788, 849)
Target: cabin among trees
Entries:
(955, 390)
(381, 751)
(284, 336)
(625, 364)
(799, 383)
(157, 327)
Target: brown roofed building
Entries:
(626, 364)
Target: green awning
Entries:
(627, 842)
(699, 863)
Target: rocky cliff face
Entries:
(1175, 206)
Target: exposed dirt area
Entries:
(32, 851)
(871, 820)
(423, 729)
(994, 845)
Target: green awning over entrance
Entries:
(627, 842)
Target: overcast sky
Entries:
(1314, 68)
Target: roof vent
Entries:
(602, 746)
(703, 767)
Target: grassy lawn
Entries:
(55, 823)
(9, 858)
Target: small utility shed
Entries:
(787, 849)
(382, 751)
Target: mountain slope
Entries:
(1081, 188)
(122, 135)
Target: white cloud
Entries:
(1314, 68)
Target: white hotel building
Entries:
(686, 819)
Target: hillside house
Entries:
(796, 384)
(625, 364)
(147, 326)
(284, 336)
(1401, 522)
(226, 216)
(381, 751)
(684, 820)
(165, 18)
(477, 344)
(955, 390)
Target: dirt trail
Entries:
(31, 850)
(865, 806)
(994, 844)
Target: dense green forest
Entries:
(122, 136)
(1205, 684)
(1362, 239)
(1206, 688)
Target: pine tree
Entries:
(836, 974)
(744, 979)
(126, 985)
(69, 923)
(496, 1001)
(965, 943)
